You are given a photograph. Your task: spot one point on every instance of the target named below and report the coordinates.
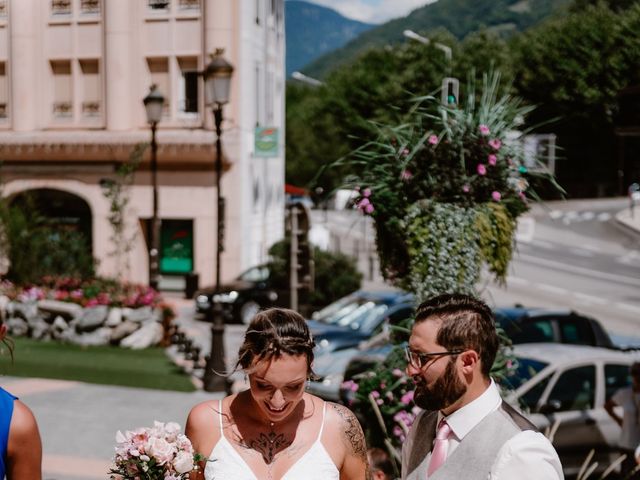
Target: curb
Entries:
(629, 225)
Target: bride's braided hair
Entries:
(273, 333)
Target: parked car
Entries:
(569, 384)
(532, 325)
(522, 325)
(252, 291)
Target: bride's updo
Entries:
(273, 333)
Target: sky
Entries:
(373, 11)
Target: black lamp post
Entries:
(153, 104)
(217, 78)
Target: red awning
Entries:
(293, 190)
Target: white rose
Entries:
(183, 462)
(160, 449)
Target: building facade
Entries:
(73, 74)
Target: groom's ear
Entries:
(470, 360)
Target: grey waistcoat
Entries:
(476, 453)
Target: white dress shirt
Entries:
(527, 456)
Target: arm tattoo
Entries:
(352, 433)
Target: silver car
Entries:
(569, 384)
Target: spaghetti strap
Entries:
(324, 411)
(220, 416)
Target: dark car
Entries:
(252, 291)
(533, 325)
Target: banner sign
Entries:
(266, 142)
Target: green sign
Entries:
(266, 142)
(176, 246)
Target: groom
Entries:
(466, 431)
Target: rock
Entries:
(114, 318)
(125, 329)
(39, 328)
(26, 311)
(148, 335)
(91, 319)
(140, 315)
(56, 307)
(4, 305)
(100, 336)
(59, 323)
(18, 327)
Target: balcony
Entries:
(90, 7)
(189, 4)
(62, 109)
(90, 109)
(61, 7)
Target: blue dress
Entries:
(6, 411)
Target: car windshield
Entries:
(526, 369)
(353, 312)
(255, 274)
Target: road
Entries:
(569, 254)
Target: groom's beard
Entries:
(444, 392)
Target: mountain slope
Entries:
(312, 30)
(460, 17)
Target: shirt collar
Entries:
(464, 419)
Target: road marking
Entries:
(626, 306)
(575, 269)
(551, 288)
(604, 217)
(555, 214)
(582, 253)
(587, 216)
(629, 257)
(590, 299)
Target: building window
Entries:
(90, 88)
(61, 7)
(159, 73)
(189, 4)
(188, 85)
(159, 4)
(62, 89)
(90, 7)
(3, 91)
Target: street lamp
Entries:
(153, 104)
(217, 79)
(425, 41)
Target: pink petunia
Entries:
(407, 398)
(495, 143)
(482, 170)
(433, 139)
(484, 130)
(406, 175)
(466, 188)
(368, 209)
(492, 159)
(496, 195)
(366, 192)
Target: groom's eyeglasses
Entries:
(420, 359)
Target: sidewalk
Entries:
(628, 221)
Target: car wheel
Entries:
(248, 311)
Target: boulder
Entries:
(114, 318)
(148, 335)
(18, 327)
(100, 336)
(91, 318)
(4, 305)
(140, 315)
(56, 307)
(125, 329)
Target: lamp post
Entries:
(153, 104)
(217, 78)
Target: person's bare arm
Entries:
(609, 406)
(355, 465)
(200, 431)
(24, 449)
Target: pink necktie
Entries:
(439, 453)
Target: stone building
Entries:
(73, 74)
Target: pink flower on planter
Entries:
(407, 398)
(496, 195)
(466, 188)
(375, 394)
(482, 170)
(433, 139)
(363, 203)
(484, 130)
(405, 152)
(366, 192)
(495, 143)
(406, 175)
(492, 159)
(368, 209)
(396, 372)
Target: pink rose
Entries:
(484, 130)
(495, 143)
(433, 139)
(183, 462)
(160, 449)
(496, 195)
(492, 159)
(482, 170)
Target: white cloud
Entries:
(373, 11)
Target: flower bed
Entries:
(94, 312)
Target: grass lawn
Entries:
(149, 368)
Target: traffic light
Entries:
(450, 91)
(301, 272)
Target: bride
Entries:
(275, 430)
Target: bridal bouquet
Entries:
(157, 453)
